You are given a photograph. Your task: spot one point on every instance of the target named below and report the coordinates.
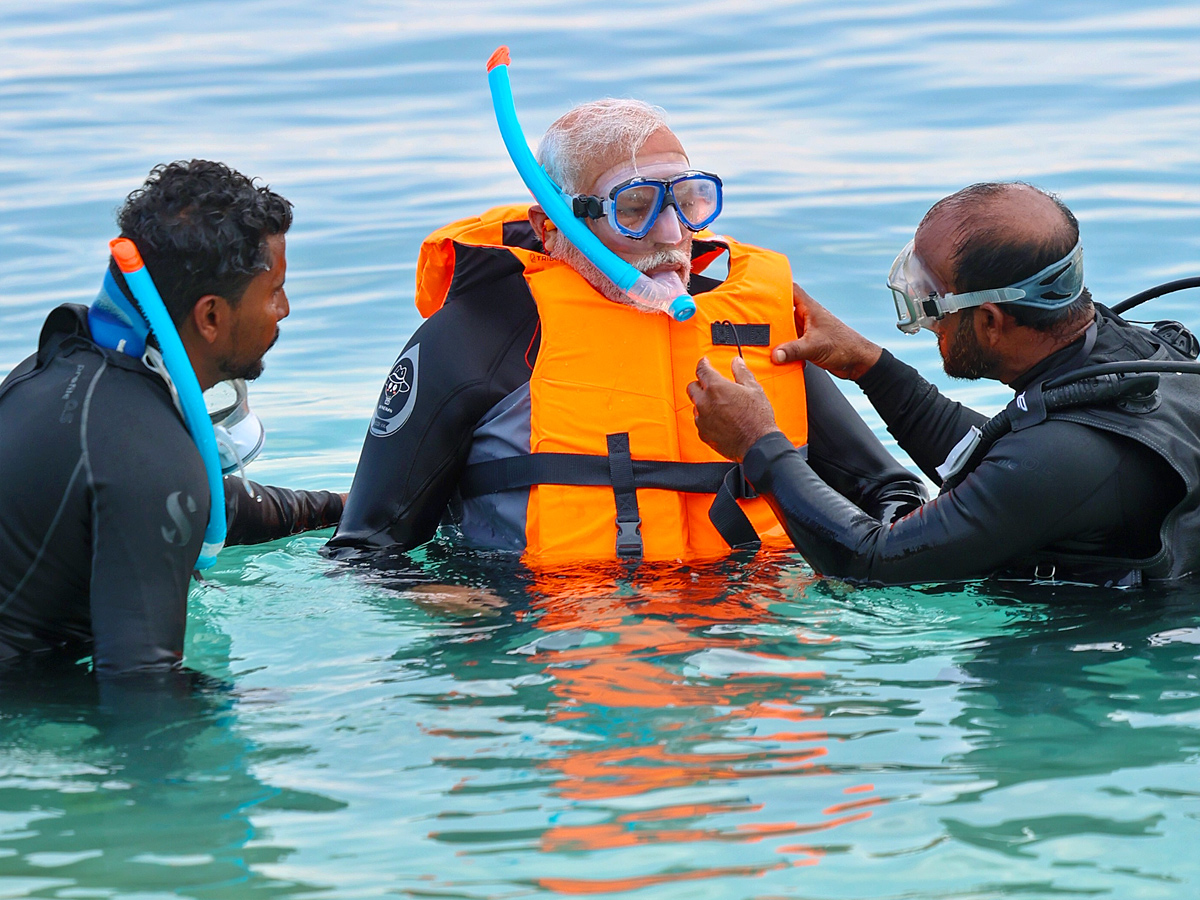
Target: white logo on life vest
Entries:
(399, 394)
(1021, 404)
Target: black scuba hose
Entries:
(1094, 385)
(1100, 387)
(1128, 367)
(1170, 287)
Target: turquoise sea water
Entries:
(475, 731)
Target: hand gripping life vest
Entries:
(616, 467)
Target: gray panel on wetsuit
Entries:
(497, 521)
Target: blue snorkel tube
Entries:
(175, 358)
(638, 286)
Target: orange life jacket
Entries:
(605, 370)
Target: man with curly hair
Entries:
(104, 496)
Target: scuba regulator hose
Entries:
(1127, 381)
(191, 399)
(638, 286)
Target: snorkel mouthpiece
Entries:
(191, 400)
(639, 287)
(656, 295)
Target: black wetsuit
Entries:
(103, 505)
(477, 353)
(1072, 496)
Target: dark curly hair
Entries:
(202, 229)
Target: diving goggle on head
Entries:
(633, 206)
(919, 304)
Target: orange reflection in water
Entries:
(658, 712)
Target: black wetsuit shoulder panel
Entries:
(473, 352)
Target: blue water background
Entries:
(743, 732)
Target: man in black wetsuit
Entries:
(104, 497)
(1098, 492)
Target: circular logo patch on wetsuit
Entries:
(398, 396)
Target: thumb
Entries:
(792, 351)
(741, 372)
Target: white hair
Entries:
(594, 128)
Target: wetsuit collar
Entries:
(1062, 360)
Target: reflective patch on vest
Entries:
(398, 396)
(732, 334)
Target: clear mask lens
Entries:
(635, 208)
(240, 433)
(697, 200)
(911, 287)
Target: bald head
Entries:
(992, 235)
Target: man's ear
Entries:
(542, 226)
(992, 324)
(210, 317)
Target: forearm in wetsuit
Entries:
(1059, 485)
(266, 513)
(924, 423)
(848, 457)
(474, 352)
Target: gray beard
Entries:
(565, 251)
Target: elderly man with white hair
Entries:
(539, 410)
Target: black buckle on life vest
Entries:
(629, 539)
(629, 521)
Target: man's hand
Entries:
(730, 416)
(826, 340)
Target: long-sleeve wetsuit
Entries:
(1061, 486)
(103, 505)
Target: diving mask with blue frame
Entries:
(633, 206)
(919, 303)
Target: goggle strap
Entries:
(954, 302)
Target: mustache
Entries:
(658, 258)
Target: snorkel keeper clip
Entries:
(638, 286)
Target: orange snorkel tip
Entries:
(500, 57)
(125, 252)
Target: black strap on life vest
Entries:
(723, 479)
(727, 517)
(620, 470)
